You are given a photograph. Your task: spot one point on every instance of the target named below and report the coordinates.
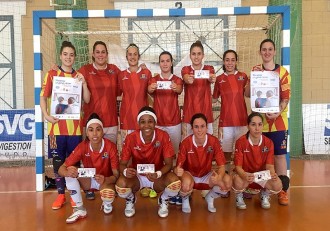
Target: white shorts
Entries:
(175, 134)
(187, 130)
(230, 135)
(144, 182)
(202, 180)
(110, 133)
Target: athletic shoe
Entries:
(145, 192)
(59, 202)
(76, 215)
(107, 207)
(90, 195)
(264, 197)
(130, 210)
(240, 204)
(283, 198)
(172, 200)
(152, 193)
(163, 207)
(210, 203)
(186, 205)
(73, 204)
(178, 200)
(247, 195)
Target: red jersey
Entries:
(104, 161)
(253, 158)
(197, 96)
(281, 123)
(103, 85)
(166, 103)
(231, 90)
(134, 86)
(198, 159)
(62, 127)
(155, 152)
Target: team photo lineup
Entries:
(165, 150)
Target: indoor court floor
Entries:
(21, 208)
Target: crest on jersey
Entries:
(143, 76)
(265, 149)
(111, 71)
(209, 149)
(105, 155)
(157, 144)
(240, 78)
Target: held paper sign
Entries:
(262, 176)
(202, 74)
(145, 168)
(86, 172)
(66, 98)
(163, 85)
(265, 91)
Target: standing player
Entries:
(194, 165)
(254, 152)
(94, 152)
(276, 124)
(148, 145)
(133, 84)
(230, 87)
(102, 79)
(63, 135)
(166, 103)
(197, 91)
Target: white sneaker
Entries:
(240, 204)
(163, 207)
(264, 197)
(107, 207)
(76, 215)
(130, 209)
(186, 205)
(210, 203)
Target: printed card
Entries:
(262, 176)
(202, 74)
(145, 168)
(164, 85)
(86, 172)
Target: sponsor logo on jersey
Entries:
(191, 151)
(92, 73)
(222, 81)
(87, 154)
(137, 148)
(125, 77)
(246, 150)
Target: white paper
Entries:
(262, 176)
(66, 98)
(86, 172)
(265, 91)
(202, 74)
(145, 168)
(163, 85)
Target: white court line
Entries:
(310, 186)
(47, 191)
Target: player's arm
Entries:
(125, 170)
(249, 177)
(43, 106)
(112, 179)
(68, 171)
(271, 169)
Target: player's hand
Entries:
(99, 179)
(273, 116)
(51, 119)
(72, 171)
(214, 178)
(190, 79)
(80, 77)
(173, 86)
(178, 171)
(54, 67)
(152, 87)
(249, 177)
(151, 176)
(130, 172)
(220, 133)
(212, 78)
(143, 66)
(273, 175)
(258, 68)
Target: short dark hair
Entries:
(68, 44)
(253, 114)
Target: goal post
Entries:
(177, 35)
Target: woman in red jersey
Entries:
(254, 153)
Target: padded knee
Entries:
(107, 195)
(285, 182)
(123, 192)
(174, 186)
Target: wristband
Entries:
(124, 172)
(159, 174)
